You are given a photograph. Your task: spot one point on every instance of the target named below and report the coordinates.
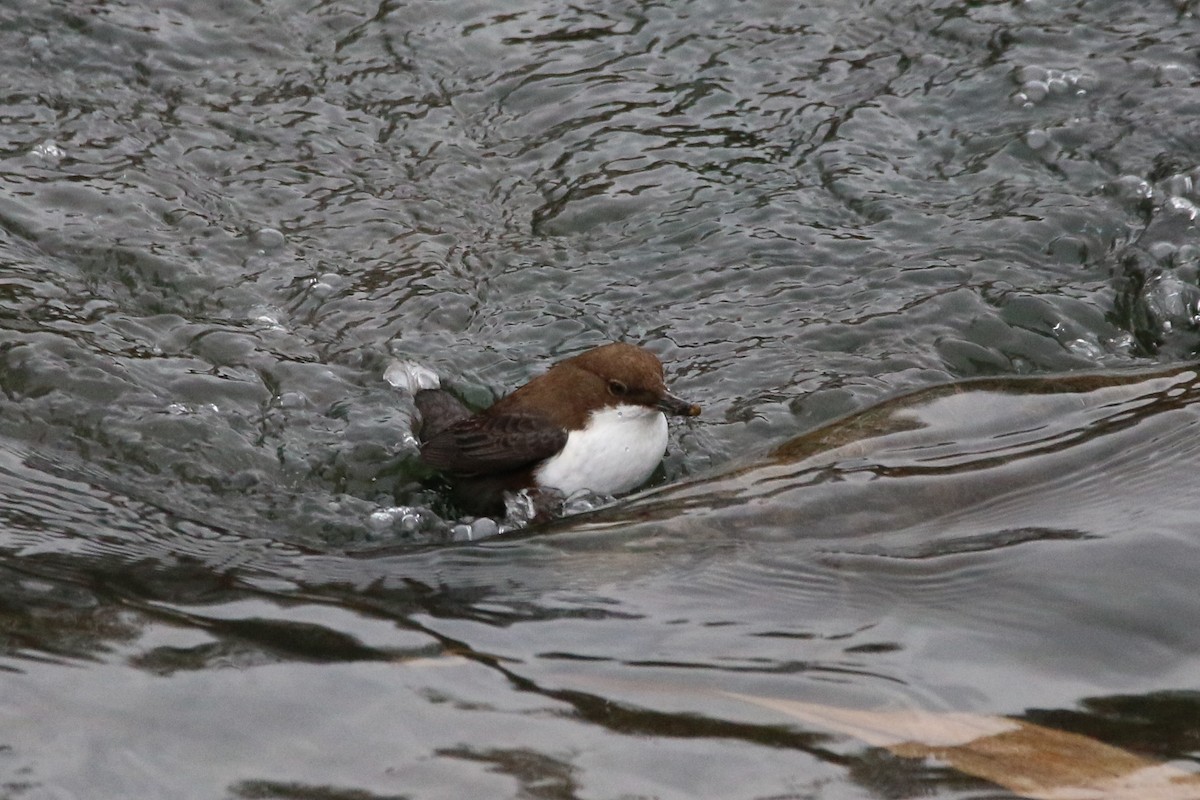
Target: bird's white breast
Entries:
(616, 451)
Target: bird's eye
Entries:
(616, 388)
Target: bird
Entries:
(595, 422)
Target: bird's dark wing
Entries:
(487, 445)
(438, 410)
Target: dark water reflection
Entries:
(547, 660)
(221, 575)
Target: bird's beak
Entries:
(671, 404)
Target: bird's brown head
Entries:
(609, 375)
(631, 375)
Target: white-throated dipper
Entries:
(594, 422)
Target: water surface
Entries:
(221, 573)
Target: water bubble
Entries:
(1169, 301)
(1031, 72)
(1084, 82)
(1037, 139)
(1162, 251)
(1019, 99)
(1037, 82)
(1182, 206)
(181, 409)
(1034, 90)
(1130, 188)
(267, 239)
(1187, 257)
(411, 377)
(1173, 75)
(581, 502)
(1069, 250)
(520, 508)
(48, 150)
(484, 528)
(245, 480)
(267, 316)
(460, 533)
(1122, 341)
(1177, 185)
(321, 289)
(382, 520)
(292, 400)
(1092, 351)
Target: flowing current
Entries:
(223, 574)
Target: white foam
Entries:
(411, 377)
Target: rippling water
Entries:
(222, 574)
